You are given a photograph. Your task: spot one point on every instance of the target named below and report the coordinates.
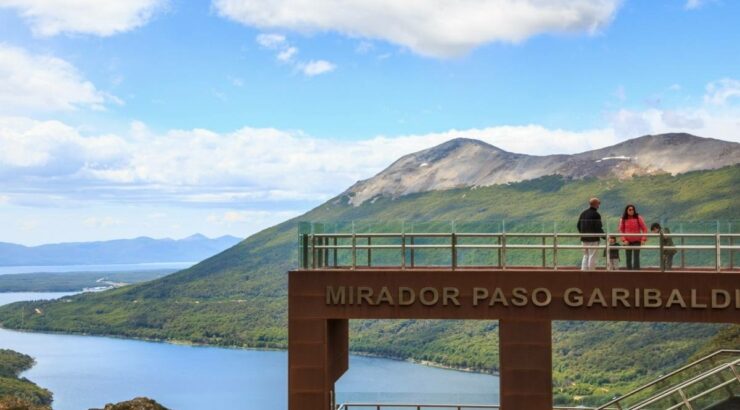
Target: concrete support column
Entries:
(318, 354)
(525, 349)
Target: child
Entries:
(666, 259)
(613, 259)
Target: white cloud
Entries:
(96, 17)
(44, 83)
(102, 222)
(203, 167)
(53, 149)
(271, 41)
(440, 28)
(50, 163)
(314, 68)
(234, 217)
(364, 47)
(236, 81)
(696, 4)
(285, 53)
(720, 92)
(720, 124)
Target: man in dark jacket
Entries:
(590, 222)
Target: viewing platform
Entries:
(523, 279)
(708, 251)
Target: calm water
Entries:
(11, 297)
(87, 371)
(121, 267)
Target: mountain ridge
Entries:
(464, 162)
(142, 249)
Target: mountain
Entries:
(138, 250)
(466, 163)
(238, 297)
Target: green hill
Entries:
(238, 297)
(18, 392)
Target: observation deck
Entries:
(524, 280)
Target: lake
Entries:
(120, 267)
(10, 297)
(89, 371)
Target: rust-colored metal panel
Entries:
(524, 302)
(692, 304)
(525, 348)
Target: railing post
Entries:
(453, 243)
(354, 249)
(717, 260)
(544, 253)
(326, 251)
(498, 250)
(412, 251)
(313, 251)
(335, 252)
(304, 253)
(683, 251)
(555, 251)
(685, 400)
(321, 252)
(660, 252)
(369, 251)
(732, 251)
(503, 250)
(608, 255)
(403, 250)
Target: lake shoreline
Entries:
(247, 347)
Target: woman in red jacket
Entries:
(632, 227)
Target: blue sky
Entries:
(163, 118)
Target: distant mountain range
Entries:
(465, 162)
(138, 250)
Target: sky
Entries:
(164, 118)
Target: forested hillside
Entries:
(18, 392)
(238, 297)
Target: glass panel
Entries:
(523, 250)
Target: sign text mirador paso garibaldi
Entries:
(322, 302)
(574, 297)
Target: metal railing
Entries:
(684, 400)
(322, 250)
(381, 406)
(621, 403)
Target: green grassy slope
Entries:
(13, 388)
(238, 297)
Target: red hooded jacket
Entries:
(633, 225)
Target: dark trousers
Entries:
(633, 256)
(667, 261)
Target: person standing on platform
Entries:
(632, 227)
(666, 258)
(590, 222)
(613, 256)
